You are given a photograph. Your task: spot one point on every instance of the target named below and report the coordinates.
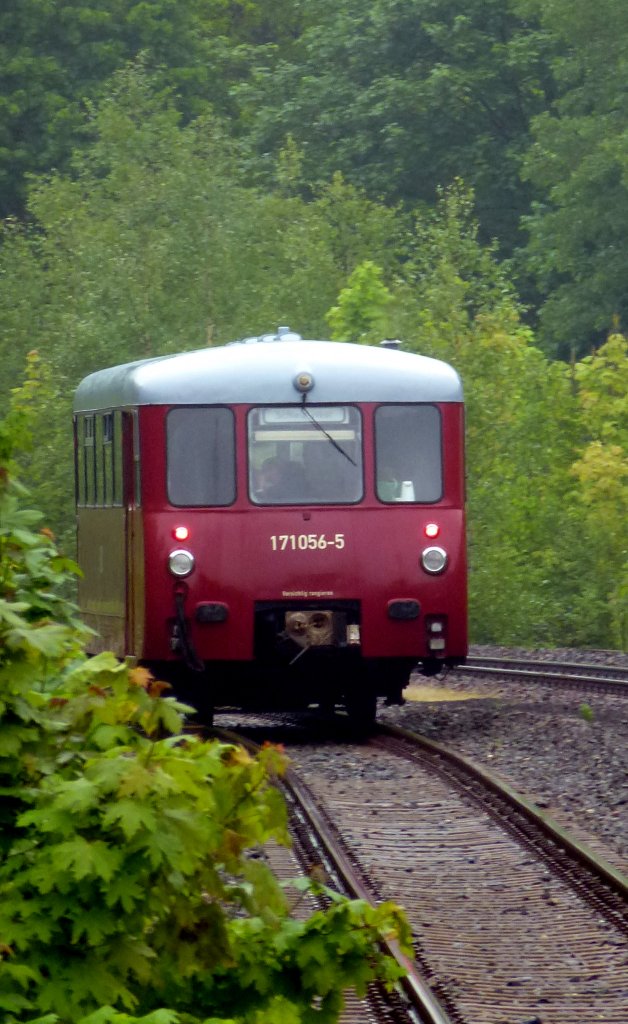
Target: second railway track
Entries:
(589, 676)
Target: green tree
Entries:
(403, 97)
(360, 314)
(358, 228)
(54, 59)
(23, 300)
(602, 473)
(579, 162)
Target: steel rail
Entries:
(415, 988)
(612, 878)
(541, 663)
(555, 672)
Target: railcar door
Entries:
(109, 534)
(101, 545)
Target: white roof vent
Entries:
(283, 334)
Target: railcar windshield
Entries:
(408, 453)
(201, 456)
(303, 455)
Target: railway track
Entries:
(315, 842)
(513, 922)
(607, 679)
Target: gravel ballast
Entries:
(565, 749)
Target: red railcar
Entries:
(276, 522)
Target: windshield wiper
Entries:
(320, 427)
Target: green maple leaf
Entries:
(49, 639)
(80, 984)
(11, 612)
(135, 779)
(131, 816)
(76, 795)
(86, 859)
(105, 736)
(267, 896)
(166, 715)
(125, 890)
(93, 926)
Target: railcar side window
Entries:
(201, 456)
(108, 458)
(99, 473)
(305, 455)
(100, 462)
(408, 453)
(118, 457)
(80, 465)
(89, 460)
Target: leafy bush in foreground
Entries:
(131, 874)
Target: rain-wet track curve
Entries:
(506, 929)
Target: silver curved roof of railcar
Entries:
(265, 373)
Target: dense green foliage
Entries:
(602, 473)
(56, 59)
(579, 163)
(522, 99)
(263, 163)
(132, 875)
(402, 97)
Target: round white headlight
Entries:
(434, 560)
(180, 562)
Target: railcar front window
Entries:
(201, 456)
(408, 453)
(302, 456)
